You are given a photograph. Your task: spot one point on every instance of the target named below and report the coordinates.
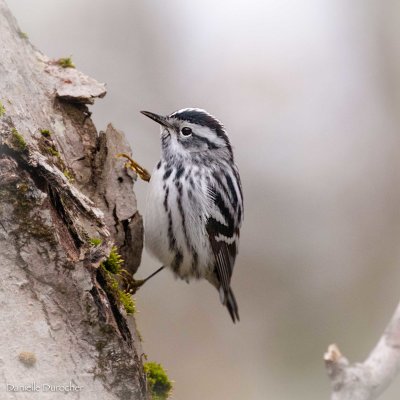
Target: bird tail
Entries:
(228, 300)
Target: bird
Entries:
(194, 207)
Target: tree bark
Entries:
(60, 187)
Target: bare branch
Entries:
(367, 380)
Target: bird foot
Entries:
(134, 166)
(136, 285)
(131, 285)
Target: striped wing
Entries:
(223, 228)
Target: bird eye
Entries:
(186, 131)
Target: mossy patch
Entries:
(159, 384)
(95, 242)
(22, 35)
(114, 261)
(127, 301)
(2, 109)
(66, 62)
(48, 147)
(112, 266)
(69, 175)
(18, 140)
(123, 298)
(52, 151)
(45, 133)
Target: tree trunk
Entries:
(63, 327)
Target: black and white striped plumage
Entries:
(195, 204)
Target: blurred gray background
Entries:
(309, 92)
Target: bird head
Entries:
(192, 132)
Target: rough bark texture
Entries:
(367, 380)
(60, 185)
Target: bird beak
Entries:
(158, 118)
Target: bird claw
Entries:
(134, 166)
(131, 284)
(136, 285)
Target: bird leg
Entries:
(133, 285)
(134, 166)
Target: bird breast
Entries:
(175, 217)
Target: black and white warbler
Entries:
(195, 204)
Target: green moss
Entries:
(22, 35)
(69, 175)
(66, 62)
(114, 261)
(158, 381)
(52, 151)
(112, 267)
(48, 146)
(127, 301)
(123, 298)
(18, 140)
(45, 132)
(2, 109)
(95, 242)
